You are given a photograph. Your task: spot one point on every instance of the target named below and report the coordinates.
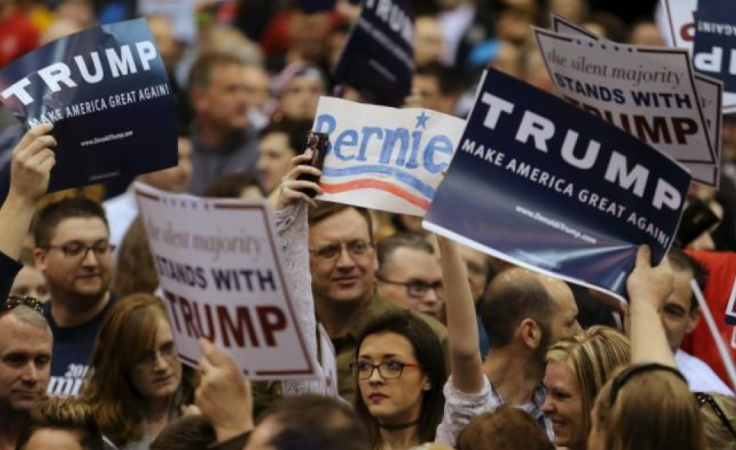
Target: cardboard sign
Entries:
(711, 95)
(714, 49)
(649, 93)
(223, 279)
(385, 158)
(548, 186)
(678, 22)
(678, 27)
(378, 56)
(106, 91)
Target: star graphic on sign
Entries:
(422, 120)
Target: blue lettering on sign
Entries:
(400, 147)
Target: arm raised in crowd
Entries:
(291, 188)
(465, 360)
(30, 171)
(291, 222)
(224, 396)
(648, 289)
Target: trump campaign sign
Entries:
(709, 90)
(222, 279)
(384, 158)
(548, 186)
(107, 93)
(378, 56)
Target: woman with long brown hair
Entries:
(136, 383)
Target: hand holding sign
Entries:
(224, 395)
(32, 163)
(292, 189)
(648, 289)
(647, 284)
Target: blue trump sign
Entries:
(107, 93)
(378, 56)
(548, 186)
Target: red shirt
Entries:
(721, 267)
(17, 37)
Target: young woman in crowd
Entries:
(136, 383)
(400, 371)
(577, 369)
(649, 404)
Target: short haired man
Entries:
(223, 139)
(122, 210)
(437, 87)
(25, 358)
(73, 252)
(524, 313)
(343, 266)
(61, 423)
(278, 143)
(409, 273)
(680, 315)
(429, 42)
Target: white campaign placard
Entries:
(678, 27)
(385, 158)
(677, 22)
(223, 279)
(709, 89)
(648, 92)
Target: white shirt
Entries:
(700, 377)
(121, 211)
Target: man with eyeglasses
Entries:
(25, 358)
(343, 265)
(73, 252)
(409, 273)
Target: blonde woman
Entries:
(577, 368)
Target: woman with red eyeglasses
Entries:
(400, 371)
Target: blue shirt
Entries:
(72, 351)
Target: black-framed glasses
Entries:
(415, 288)
(76, 249)
(703, 398)
(388, 370)
(15, 301)
(637, 369)
(330, 252)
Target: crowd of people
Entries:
(436, 345)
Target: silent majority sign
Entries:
(223, 280)
(107, 93)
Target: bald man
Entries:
(524, 313)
